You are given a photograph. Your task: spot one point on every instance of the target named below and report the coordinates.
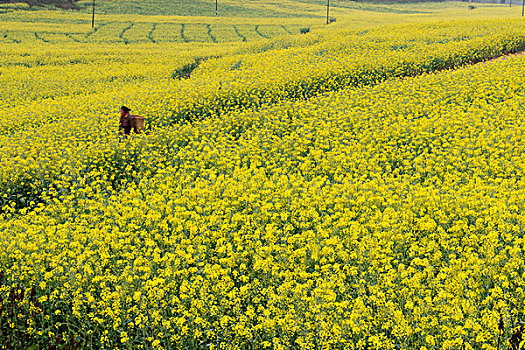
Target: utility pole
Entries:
(327, 11)
(522, 7)
(93, 16)
(216, 7)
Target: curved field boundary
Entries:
(166, 32)
(287, 30)
(213, 38)
(506, 57)
(182, 33)
(41, 38)
(150, 34)
(95, 29)
(13, 40)
(121, 36)
(239, 33)
(259, 32)
(73, 38)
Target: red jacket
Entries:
(126, 123)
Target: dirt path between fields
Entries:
(505, 57)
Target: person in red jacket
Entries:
(125, 121)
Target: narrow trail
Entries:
(259, 33)
(469, 64)
(506, 57)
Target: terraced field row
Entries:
(139, 32)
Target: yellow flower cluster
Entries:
(382, 213)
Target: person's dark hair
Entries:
(125, 109)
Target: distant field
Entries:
(144, 32)
(281, 9)
(63, 27)
(133, 22)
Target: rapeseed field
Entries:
(348, 188)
